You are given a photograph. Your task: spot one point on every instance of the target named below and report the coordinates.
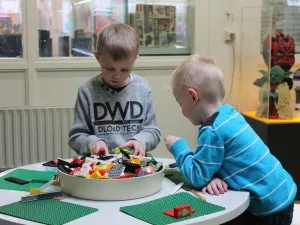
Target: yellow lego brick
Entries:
(95, 175)
(100, 167)
(135, 160)
(110, 166)
(36, 191)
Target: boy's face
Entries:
(115, 73)
(188, 102)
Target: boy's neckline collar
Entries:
(213, 116)
(111, 89)
(210, 120)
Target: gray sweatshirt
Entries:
(102, 113)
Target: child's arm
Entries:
(200, 166)
(215, 187)
(81, 135)
(150, 135)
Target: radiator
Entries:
(31, 135)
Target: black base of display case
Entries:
(283, 140)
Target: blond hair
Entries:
(119, 40)
(201, 73)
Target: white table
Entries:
(234, 202)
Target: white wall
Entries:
(214, 22)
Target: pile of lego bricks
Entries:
(103, 166)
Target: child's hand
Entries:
(169, 140)
(215, 187)
(99, 145)
(137, 146)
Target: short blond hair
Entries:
(119, 40)
(201, 73)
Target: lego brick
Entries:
(153, 211)
(95, 175)
(130, 167)
(125, 154)
(143, 164)
(105, 157)
(183, 210)
(70, 165)
(17, 180)
(158, 166)
(49, 164)
(116, 170)
(180, 211)
(44, 211)
(36, 191)
(42, 196)
(63, 169)
(153, 161)
(49, 183)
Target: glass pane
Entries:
(70, 27)
(254, 84)
(287, 19)
(11, 28)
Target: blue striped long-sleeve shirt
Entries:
(229, 148)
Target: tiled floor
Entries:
(296, 220)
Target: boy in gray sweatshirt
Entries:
(115, 109)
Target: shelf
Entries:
(176, 50)
(251, 114)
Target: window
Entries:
(69, 28)
(11, 28)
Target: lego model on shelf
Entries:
(105, 177)
(268, 63)
(275, 97)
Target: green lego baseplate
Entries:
(50, 211)
(39, 179)
(177, 177)
(153, 212)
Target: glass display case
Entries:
(270, 78)
(269, 82)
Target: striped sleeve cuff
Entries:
(178, 146)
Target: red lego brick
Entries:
(180, 211)
(76, 161)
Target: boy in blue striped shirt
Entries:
(227, 147)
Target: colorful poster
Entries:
(156, 25)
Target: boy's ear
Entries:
(96, 54)
(193, 94)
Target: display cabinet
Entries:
(269, 81)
